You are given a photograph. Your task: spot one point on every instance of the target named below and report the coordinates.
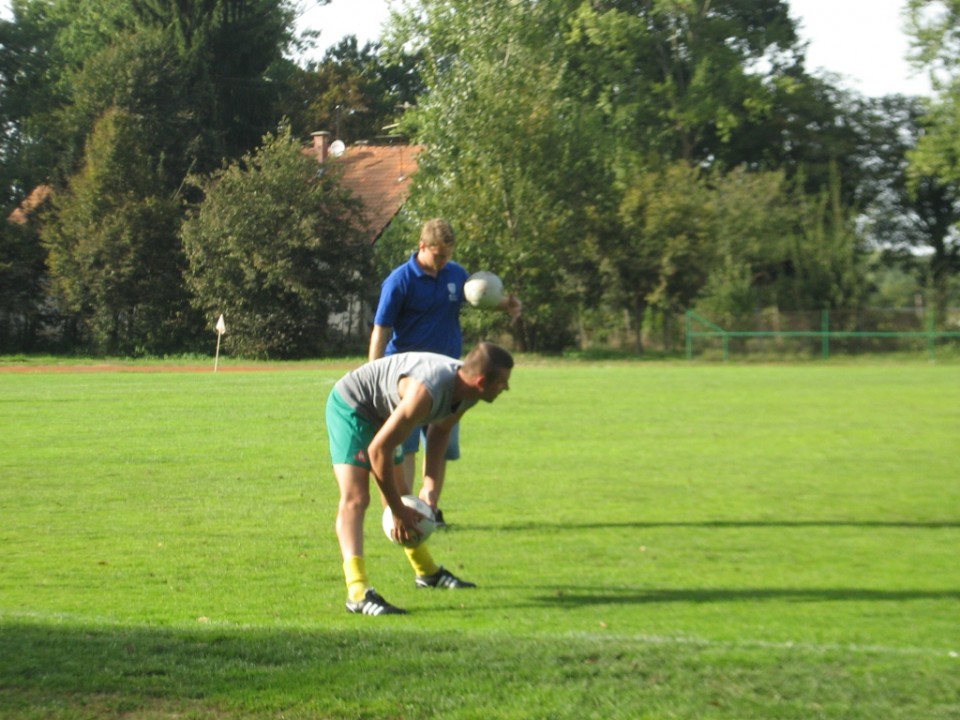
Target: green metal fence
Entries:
(700, 327)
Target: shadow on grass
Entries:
(72, 671)
(577, 597)
(386, 670)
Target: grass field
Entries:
(650, 540)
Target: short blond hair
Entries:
(436, 232)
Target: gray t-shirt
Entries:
(373, 389)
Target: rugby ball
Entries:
(483, 290)
(426, 525)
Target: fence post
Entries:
(689, 322)
(825, 332)
(931, 317)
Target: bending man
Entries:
(370, 412)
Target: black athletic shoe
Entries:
(373, 604)
(438, 519)
(443, 578)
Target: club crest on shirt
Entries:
(452, 289)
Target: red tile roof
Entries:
(379, 176)
(30, 204)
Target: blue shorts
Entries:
(412, 444)
(350, 435)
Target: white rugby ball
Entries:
(483, 290)
(426, 525)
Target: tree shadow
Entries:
(585, 597)
(61, 670)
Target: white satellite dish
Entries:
(337, 148)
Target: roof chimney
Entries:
(321, 144)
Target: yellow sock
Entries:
(355, 570)
(421, 560)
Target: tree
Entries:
(114, 260)
(184, 83)
(511, 162)
(274, 247)
(908, 215)
(213, 57)
(555, 130)
(22, 268)
(355, 93)
(682, 79)
(935, 162)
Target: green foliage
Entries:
(114, 259)
(274, 246)
(510, 161)
(22, 265)
(141, 74)
(681, 79)
(668, 244)
(597, 157)
(355, 93)
(729, 243)
(935, 162)
(724, 552)
(615, 162)
(191, 80)
(195, 72)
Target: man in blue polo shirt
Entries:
(419, 310)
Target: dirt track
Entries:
(166, 368)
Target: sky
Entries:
(861, 41)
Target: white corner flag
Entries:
(221, 329)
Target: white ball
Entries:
(483, 290)
(426, 525)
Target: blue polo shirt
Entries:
(424, 311)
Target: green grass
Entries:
(651, 541)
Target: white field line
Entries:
(808, 647)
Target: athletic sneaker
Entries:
(373, 604)
(438, 519)
(443, 578)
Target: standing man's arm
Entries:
(378, 341)
(511, 305)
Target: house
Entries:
(378, 175)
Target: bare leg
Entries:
(354, 485)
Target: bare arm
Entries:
(438, 438)
(511, 305)
(413, 409)
(378, 341)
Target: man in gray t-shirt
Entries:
(370, 412)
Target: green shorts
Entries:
(350, 435)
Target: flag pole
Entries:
(221, 329)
